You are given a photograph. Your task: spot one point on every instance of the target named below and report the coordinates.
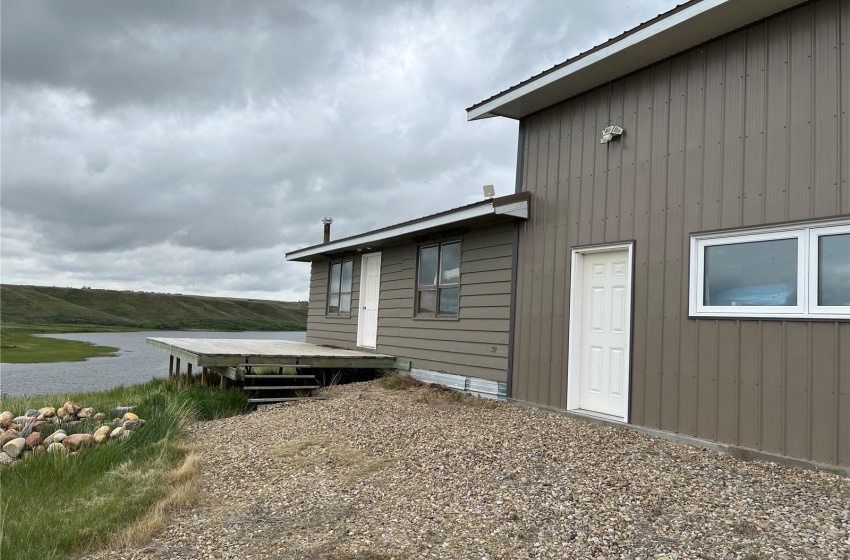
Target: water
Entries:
(135, 362)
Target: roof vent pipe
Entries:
(327, 222)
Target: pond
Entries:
(135, 362)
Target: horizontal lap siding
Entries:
(746, 130)
(477, 343)
(331, 331)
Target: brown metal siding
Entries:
(749, 129)
(477, 343)
(331, 331)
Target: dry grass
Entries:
(319, 450)
(182, 493)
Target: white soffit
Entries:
(669, 35)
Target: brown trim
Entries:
(509, 381)
(416, 289)
(770, 225)
(511, 199)
(341, 262)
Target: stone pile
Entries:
(46, 430)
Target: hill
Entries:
(42, 305)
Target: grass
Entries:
(118, 492)
(24, 348)
(432, 393)
(351, 464)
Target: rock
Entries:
(5, 459)
(6, 419)
(102, 430)
(78, 441)
(59, 436)
(117, 432)
(61, 413)
(132, 424)
(15, 447)
(72, 408)
(120, 411)
(40, 418)
(100, 438)
(130, 416)
(56, 448)
(7, 436)
(47, 411)
(20, 420)
(127, 433)
(99, 417)
(39, 450)
(31, 413)
(87, 412)
(33, 440)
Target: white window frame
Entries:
(807, 236)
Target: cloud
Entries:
(191, 144)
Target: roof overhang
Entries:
(678, 30)
(486, 212)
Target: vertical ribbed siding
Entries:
(331, 331)
(746, 130)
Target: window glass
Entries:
(450, 264)
(345, 303)
(834, 269)
(335, 271)
(428, 257)
(759, 273)
(449, 301)
(428, 301)
(333, 303)
(347, 267)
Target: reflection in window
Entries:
(834, 269)
(438, 280)
(339, 288)
(760, 273)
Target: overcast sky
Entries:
(186, 146)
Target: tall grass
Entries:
(55, 505)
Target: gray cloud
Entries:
(188, 145)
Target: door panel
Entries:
(370, 292)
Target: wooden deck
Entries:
(226, 352)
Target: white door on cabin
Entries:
(370, 292)
(604, 331)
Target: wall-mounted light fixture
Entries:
(489, 191)
(610, 133)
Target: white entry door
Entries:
(600, 330)
(370, 292)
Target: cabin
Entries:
(434, 291)
(675, 258)
(685, 267)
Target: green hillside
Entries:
(40, 305)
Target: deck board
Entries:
(217, 352)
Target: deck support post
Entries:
(170, 366)
(222, 381)
(188, 374)
(204, 381)
(177, 370)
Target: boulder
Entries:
(15, 447)
(61, 413)
(5, 459)
(86, 412)
(130, 416)
(7, 436)
(6, 419)
(78, 441)
(39, 450)
(56, 448)
(33, 440)
(47, 411)
(132, 424)
(31, 413)
(102, 430)
(59, 435)
(21, 420)
(99, 417)
(120, 411)
(100, 438)
(127, 433)
(72, 408)
(117, 432)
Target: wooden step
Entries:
(281, 388)
(286, 399)
(280, 377)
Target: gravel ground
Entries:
(374, 474)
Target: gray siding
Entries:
(331, 331)
(476, 344)
(749, 129)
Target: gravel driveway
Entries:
(379, 474)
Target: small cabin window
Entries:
(796, 271)
(339, 288)
(438, 280)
